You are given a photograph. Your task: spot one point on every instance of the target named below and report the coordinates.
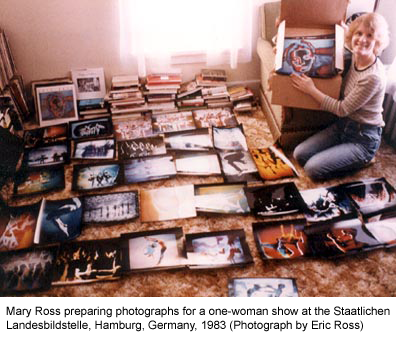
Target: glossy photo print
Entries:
(48, 155)
(262, 287)
(218, 117)
(41, 136)
(133, 127)
(110, 208)
(238, 166)
(101, 127)
(190, 140)
(197, 163)
(141, 147)
(103, 149)
(231, 138)
(164, 123)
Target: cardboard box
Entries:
(308, 18)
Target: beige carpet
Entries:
(366, 274)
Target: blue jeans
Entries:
(344, 146)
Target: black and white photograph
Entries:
(153, 250)
(133, 127)
(93, 128)
(231, 138)
(262, 287)
(110, 208)
(190, 140)
(197, 163)
(90, 83)
(151, 168)
(274, 200)
(218, 117)
(103, 149)
(238, 166)
(48, 155)
(141, 147)
(168, 122)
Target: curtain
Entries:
(154, 32)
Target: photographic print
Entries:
(46, 135)
(218, 249)
(272, 164)
(164, 204)
(153, 250)
(90, 83)
(163, 123)
(274, 200)
(229, 138)
(141, 147)
(93, 128)
(26, 270)
(383, 229)
(56, 104)
(87, 262)
(238, 166)
(262, 287)
(341, 238)
(221, 198)
(281, 239)
(110, 208)
(133, 127)
(372, 196)
(48, 155)
(96, 176)
(198, 163)
(17, 226)
(192, 140)
(59, 221)
(313, 56)
(39, 180)
(324, 204)
(94, 149)
(149, 169)
(218, 117)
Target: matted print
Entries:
(372, 196)
(272, 163)
(56, 104)
(26, 270)
(262, 287)
(89, 82)
(218, 117)
(310, 55)
(153, 250)
(88, 262)
(191, 140)
(218, 249)
(59, 221)
(17, 226)
(274, 200)
(325, 204)
(96, 176)
(103, 149)
(167, 203)
(141, 147)
(221, 198)
(133, 127)
(101, 127)
(48, 155)
(281, 239)
(110, 208)
(168, 122)
(238, 166)
(229, 138)
(198, 163)
(45, 135)
(149, 169)
(39, 180)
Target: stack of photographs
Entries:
(153, 250)
(197, 163)
(87, 262)
(147, 169)
(141, 147)
(218, 117)
(168, 122)
(262, 287)
(274, 200)
(96, 176)
(110, 208)
(133, 127)
(27, 270)
(167, 203)
(325, 204)
(218, 249)
(272, 163)
(221, 198)
(190, 140)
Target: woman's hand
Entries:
(303, 83)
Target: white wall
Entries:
(388, 8)
(48, 38)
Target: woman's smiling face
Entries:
(363, 41)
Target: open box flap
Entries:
(313, 13)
